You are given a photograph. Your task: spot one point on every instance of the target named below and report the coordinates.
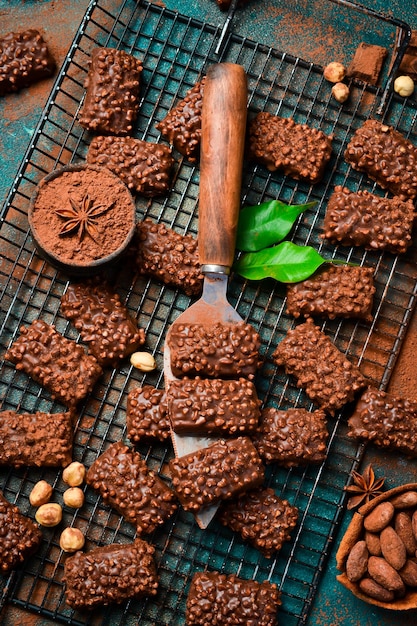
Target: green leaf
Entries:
(286, 262)
(266, 224)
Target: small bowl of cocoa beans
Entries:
(377, 555)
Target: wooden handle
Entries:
(223, 127)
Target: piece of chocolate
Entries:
(182, 125)
(216, 599)
(367, 63)
(292, 437)
(408, 64)
(386, 156)
(19, 536)
(326, 374)
(102, 320)
(204, 406)
(262, 518)
(221, 350)
(24, 60)
(364, 219)
(145, 167)
(35, 439)
(125, 482)
(334, 291)
(55, 362)
(112, 86)
(146, 415)
(223, 470)
(279, 143)
(386, 420)
(169, 257)
(110, 574)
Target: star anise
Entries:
(364, 487)
(81, 217)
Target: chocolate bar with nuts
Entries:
(279, 143)
(125, 482)
(112, 86)
(19, 537)
(110, 574)
(365, 219)
(223, 470)
(147, 415)
(57, 363)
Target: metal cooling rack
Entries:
(176, 51)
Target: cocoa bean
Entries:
(372, 589)
(414, 524)
(409, 573)
(404, 529)
(380, 517)
(384, 574)
(357, 561)
(405, 500)
(373, 543)
(392, 548)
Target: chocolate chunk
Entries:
(102, 320)
(216, 599)
(182, 125)
(367, 63)
(146, 415)
(218, 351)
(24, 60)
(261, 518)
(19, 536)
(112, 92)
(145, 167)
(292, 437)
(298, 150)
(386, 156)
(110, 574)
(223, 470)
(364, 219)
(334, 291)
(408, 64)
(327, 376)
(57, 363)
(206, 406)
(35, 439)
(169, 257)
(386, 420)
(127, 484)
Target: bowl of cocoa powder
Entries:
(82, 218)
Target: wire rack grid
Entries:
(176, 51)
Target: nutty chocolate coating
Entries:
(221, 350)
(182, 125)
(169, 257)
(386, 156)
(19, 536)
(24, 60)
(280, 143)
(335, 291)
(216, 599)
(365, 219)
(224, 470)
(126, 483)
(326, 374)
(35, 439)
(57, 363)
(112, 92)
(102, 320)
(110, 574)
(292, 437)
(145, 167)
(147, 415)
(213, 406)
(386, 420)
(262, 518)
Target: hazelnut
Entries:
(340, 92)
(41, 493)
(74, 497)
(334, 72)
(49, 514)
(404, 86)
(143, 361)
(74, 474)
(71, 540)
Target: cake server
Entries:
(223, 127)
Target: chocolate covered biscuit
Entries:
(57, 363)
(298, 150)
(19, 536)
(147, 415)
